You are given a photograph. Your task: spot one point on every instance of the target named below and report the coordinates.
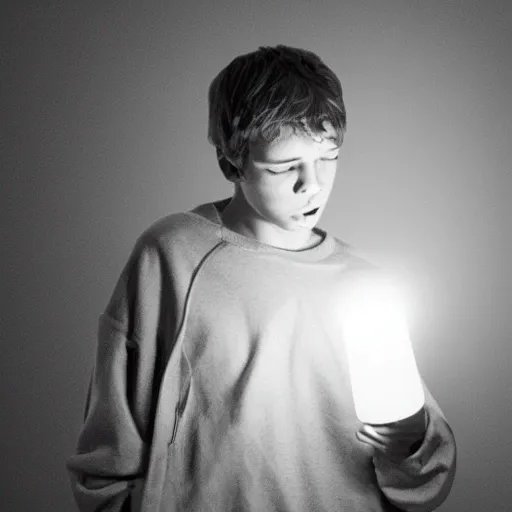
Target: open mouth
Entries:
(311, 212)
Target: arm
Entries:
(112, 448)
(423, 480)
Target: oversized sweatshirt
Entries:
(220, 383)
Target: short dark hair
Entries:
(260, 92)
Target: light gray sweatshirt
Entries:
(221, 384)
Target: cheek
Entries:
(271, 201)
(327, 180)
(282, 196)
(259, 196)
(269, 191)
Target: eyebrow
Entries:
(280, 162)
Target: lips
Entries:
(310, 208)
(311, 213)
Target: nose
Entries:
(308, 181)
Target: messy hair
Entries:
(260, 92)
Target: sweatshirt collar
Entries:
(211, 212)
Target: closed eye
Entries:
(293, 168)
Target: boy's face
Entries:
(272, 200)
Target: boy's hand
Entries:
(397, 440)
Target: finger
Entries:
(365, 438)
(373, 433)
(406, 437)
(387, 445)
(393, 452)
(375, 446)
(395, 432)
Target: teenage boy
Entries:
(220, 382)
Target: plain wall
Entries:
(103, 131)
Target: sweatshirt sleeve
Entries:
(112, 449)
(422, 482)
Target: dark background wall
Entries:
(103, 130)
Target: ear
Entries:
(230, 171)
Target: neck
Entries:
(237, 218)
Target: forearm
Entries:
(422, 481)
(110, 454)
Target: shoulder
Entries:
(353, 257)
(183, 235)
(171, 227)
(360, 265)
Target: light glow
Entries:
(386, 385)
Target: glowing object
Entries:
(386, 385)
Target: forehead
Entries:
(291, 144)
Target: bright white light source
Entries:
(386, 385)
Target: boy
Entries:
(220, 382)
